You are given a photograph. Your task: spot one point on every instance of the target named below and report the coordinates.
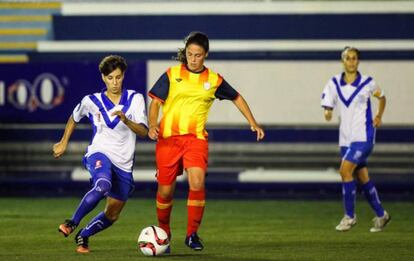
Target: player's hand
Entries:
(153, 132)
(377, 121)
(259, 131)
(121, 116)
(328, 115)
(59, 148)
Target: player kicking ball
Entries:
(350, 93)
(117, 116)
(185, 93)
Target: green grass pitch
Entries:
(231, 230)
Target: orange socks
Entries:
(195, 206)
(164, 207)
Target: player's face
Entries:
(195, 57)
(113, 81)
(350, 62)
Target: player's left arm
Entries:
(138, 128)
(139, 117)
(379, 94)
(244, 108)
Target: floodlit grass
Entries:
(231, 230)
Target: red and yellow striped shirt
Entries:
(187, 100)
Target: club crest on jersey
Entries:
(98, 164)
(178, 79)
(207, 86)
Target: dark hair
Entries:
(111, 63)
(198, 38)
(347, 49)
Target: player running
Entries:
(117, 116)
(186, 92)
(350, 93)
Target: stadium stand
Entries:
(22, 24)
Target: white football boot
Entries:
(380, 222)
(346, 223)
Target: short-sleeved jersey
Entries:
(110, 135)
(187, 98)
(354, 106)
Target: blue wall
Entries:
(315, 26)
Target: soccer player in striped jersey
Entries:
(186, 92)
(117, 116)
(350, 94)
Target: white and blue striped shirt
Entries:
(354, 107)
(111, 136)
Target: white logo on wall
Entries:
(46, 92)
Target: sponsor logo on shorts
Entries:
(98, 164)
(358, 154)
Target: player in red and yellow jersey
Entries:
(185, 93)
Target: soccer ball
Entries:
(153, 241)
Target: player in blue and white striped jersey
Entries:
(350, 92)
(117, 116)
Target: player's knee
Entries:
(345, 174)
(103, 186)
(196, 184)
(112, 215)
(165, 192)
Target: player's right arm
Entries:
(154, 110)
(158, 93)
(328, 101)
(60, 147)
(80, 111)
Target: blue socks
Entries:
(370, 192)
(99, 223)
(349, 196)
(91, 199)
(371, 195)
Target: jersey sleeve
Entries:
(226, 92)
(328, 99)
(139, 112)
(375, 90)
(161, 88)
(82, 109)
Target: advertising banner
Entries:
(48, 92)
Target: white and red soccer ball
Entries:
(153, 241)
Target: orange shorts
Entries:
(176, 153)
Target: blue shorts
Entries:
(122, 182)
(357, 153)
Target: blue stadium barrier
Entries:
(290, 26)
(230, 134)
(379, 55)
(402, 190)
